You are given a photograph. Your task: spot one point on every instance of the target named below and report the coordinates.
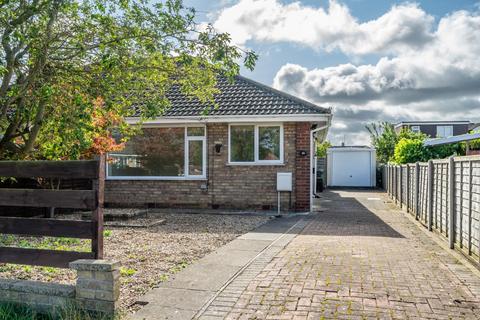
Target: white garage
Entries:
(351, 167)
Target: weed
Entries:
(127, 272)
(163, 277)
(107, 233)
(179, 267)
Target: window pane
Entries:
(196, 131)
(242, 143)
(269, 143)
(195, 158)
(449, 131)
(153, 152)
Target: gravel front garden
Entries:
(148, 255)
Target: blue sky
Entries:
(371, 60)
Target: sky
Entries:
(369, 60)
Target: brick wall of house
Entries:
(302, 164)
(228, 186)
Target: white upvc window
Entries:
(162, 153)
(444, 131)
(255, 144)
(415, 129)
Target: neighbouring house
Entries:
(437, 129)
(228, 159)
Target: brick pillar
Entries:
(302, 167)
(98, 285)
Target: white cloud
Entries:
(404, 27)
(448, 65)
(440, 81)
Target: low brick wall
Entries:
(97, 289)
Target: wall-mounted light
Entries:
(302, 153)
(218, 147)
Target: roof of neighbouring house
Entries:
(452, 139)
(242, 97)
(431, 122)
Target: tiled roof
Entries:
(243, 97)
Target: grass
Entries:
(52, 243)
(16, 312)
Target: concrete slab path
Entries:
(193, 288)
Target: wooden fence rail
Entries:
(443, 195)
(74, 199)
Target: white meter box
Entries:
(284, 181)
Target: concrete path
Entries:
(358, 257)
(193, 289)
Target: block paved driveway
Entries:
(357, 258)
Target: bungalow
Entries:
(228, 159)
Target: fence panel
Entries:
(444, 201)
(53, 198)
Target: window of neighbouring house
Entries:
(444, 131)
(261, 144)
(415, 129)
(163, 153)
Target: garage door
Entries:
(351, 169)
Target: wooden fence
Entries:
(92, 199)
(444, 195)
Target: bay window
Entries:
(161, 153)
(261, 144)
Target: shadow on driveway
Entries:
(342, 215)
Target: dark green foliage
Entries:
(71, 70)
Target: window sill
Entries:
(256, 164)
(158, 178)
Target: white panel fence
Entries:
(444, 195)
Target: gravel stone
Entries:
(149, 256)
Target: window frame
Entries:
(256, 144)
(415, 129)
(443, 128)
(186, 175)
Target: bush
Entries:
(410, 150)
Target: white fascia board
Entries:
(350, 149)
(220, 119)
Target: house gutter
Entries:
(232, 119)
(312, 144)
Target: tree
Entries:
(72, 70)
(383, 139)
(322, 149)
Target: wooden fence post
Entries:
(407, 183)
(97, 213)
(390, 181)
(470, 173)
(416, 189)
(396, 184)
(401, 186)
(430, 194)
(451, 202)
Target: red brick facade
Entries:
(227, 186)
(302, 166)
